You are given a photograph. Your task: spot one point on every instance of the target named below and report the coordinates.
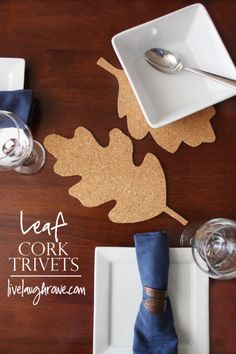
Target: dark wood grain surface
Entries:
(61, 42)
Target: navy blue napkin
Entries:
(19, 102)
(154, 331)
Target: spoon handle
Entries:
(221, 79)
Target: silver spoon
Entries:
(168, 62)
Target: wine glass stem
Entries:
(31, 159)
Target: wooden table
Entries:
(61, 42)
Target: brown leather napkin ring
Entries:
(157, 302)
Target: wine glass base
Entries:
(34, 162)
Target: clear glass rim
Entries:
(221, 220)
(11, 117)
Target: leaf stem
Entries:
(175, 215)
(107, 66)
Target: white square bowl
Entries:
(190, 33)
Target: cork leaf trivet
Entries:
(193, 130)
(108, 173)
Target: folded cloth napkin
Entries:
(154, 331)
(19, 102)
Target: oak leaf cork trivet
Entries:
(109, 173)
(193, 130)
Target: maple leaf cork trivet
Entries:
(193, 130)
(109, 173)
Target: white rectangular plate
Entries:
(12, 74)
(118, 292)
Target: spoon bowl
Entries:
(163, 60)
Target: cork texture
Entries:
(109, 173)
(192, 130)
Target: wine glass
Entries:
(18, 150)
(213, 247)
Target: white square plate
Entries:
(12, 74)
(190, 33)
(118, 293)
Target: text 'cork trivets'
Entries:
(193, 130)
(109, 173)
